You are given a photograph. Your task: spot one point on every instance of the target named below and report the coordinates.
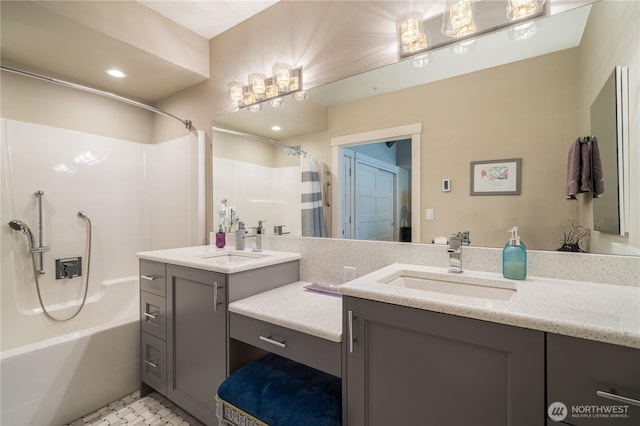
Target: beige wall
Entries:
(603, 47)
(33, 101)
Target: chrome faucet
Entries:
(455, 253)
(258, 236)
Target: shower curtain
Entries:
(312, 214)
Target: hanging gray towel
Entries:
(584, 170)
(313, 224)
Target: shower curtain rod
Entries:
(260, 138)
(187, 123)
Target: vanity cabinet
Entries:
(410, 366)
(196, 339)
(588, 376)
(184, 328)
(183, 335)
(153, 336)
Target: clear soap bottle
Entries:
(514, 257)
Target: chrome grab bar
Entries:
(269, 339)
(618, 398)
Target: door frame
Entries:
(410, 131)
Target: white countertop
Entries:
(293, 307)
(203, 257)
(601, 312)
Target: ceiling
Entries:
(77, 41)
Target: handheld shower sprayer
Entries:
(18, 225)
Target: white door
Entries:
(346, 192)
(374, 202)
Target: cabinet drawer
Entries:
(153, 368)
(579, 370)
(153, 315)
(152, 277)
(313, 351)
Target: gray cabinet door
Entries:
(577, 369)
(409, 366)
(196, 339)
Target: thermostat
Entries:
(446, 185)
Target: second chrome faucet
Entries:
(455, 252)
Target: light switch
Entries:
(429, 214)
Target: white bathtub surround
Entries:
(133, 193)
(323, 259)
(271, 194)
(293, 307)
(601, 312)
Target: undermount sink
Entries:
(226, 258)
(459, 285)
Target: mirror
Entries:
(492, 103)
(609, 124)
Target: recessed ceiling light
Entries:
(276, 128)
(116, 73)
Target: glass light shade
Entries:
(276, 102)
(258, 84)
(524, 31)
(410, 32)
(294, 84)
(519, 9)
(271, 90)
(458, 19)
(249, 97)
(282, 76)
(301, 95)
(236, 92)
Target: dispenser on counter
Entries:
(220, 238)
(514, 257)
(241, 233)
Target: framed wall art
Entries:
(496, 177)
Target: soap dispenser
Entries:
(514, 257)
(240, 234)
(220, 238)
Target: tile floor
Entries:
(153, 409)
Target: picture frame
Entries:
(496, 177)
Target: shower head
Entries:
(18, 225)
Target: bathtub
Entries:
(53, 373)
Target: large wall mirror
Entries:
(507, 95)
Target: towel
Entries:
(584, 170)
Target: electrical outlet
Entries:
(349, 273)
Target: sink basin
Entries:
(227, 258)
(459, 285)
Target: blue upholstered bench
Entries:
(276, 391)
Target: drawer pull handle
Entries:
(151, 364)
(351, 339)
(150, 277)
(274, 342)
(618, 398)
(215, 296)
(152, 316)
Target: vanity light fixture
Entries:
(520, 9)
(461, 22)
(411, 35)
(260, 88)
(458, 19)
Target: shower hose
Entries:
(86, 284)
